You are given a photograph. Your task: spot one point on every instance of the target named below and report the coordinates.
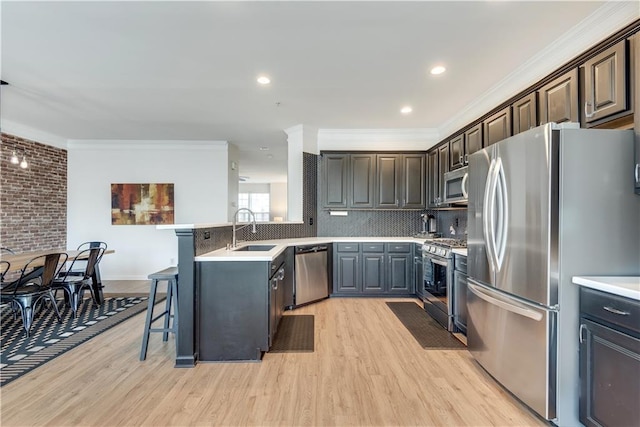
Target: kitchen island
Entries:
(240, 295)
(200, 248)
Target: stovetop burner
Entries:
(447, 242)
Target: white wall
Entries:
(198, 170)
(278, 200)
(233, 180)
(294, 172)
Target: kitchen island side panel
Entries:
(233, 311)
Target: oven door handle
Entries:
(438, 261)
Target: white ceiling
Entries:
(187, 70)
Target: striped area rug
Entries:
(21, 354)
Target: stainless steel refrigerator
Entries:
(545, 205)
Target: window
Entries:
(257, 202)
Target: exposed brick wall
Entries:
(33, 201)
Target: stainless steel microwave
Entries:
(456, 186)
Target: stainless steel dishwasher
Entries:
(312, 281)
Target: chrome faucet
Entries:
(235, 221)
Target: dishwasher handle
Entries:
(311, 249)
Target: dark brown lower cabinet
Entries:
(609, 361)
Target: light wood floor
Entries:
(367, 370)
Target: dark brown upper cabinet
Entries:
(525, 113)
(472, 141)
(605, 83)
(438, 163)
(559, 99)
(456, 152)
(433, 179)
(389, 180)
(414, 192)
(443, 167)
(335, 180)
(461, 146)
(373, 181)
(497, 127)
(361, 180)
(400, 181)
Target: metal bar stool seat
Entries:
(171, 276)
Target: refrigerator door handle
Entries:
(506, 305)
(465, 178)
(500, 240)
(487, 215)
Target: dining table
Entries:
(19, 260)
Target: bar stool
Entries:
(171, 276)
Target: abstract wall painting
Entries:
(142, 204)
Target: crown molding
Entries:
(26, 132)
(119, 144)
(390, 135)
(377, 139)
(602, 23)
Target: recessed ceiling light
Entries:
(264, 80)
(269, 156)
(264, 148)
(406, 110)
(438, 70)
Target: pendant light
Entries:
(14, 158)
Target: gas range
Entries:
(442, 246)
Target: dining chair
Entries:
(7, 250)
(27, 292)
(4, 267)
(73, 284)
(80, 266)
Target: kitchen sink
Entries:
(255, 248)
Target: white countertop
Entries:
(460, 251)
(624, 286)
(216, 225)
(281, 244)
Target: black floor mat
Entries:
(295, 335)
(428, 332)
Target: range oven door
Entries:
(437, 285)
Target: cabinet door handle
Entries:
(461, 159)
(583, 327)
(616, 311)
(466, 159)
(637, 172)
(586, 110)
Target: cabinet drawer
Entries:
(348, 247)
(461, 263)
(610, 308)
(399, 247)
(372, 247)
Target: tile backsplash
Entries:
(450, 223)
(369, 223)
